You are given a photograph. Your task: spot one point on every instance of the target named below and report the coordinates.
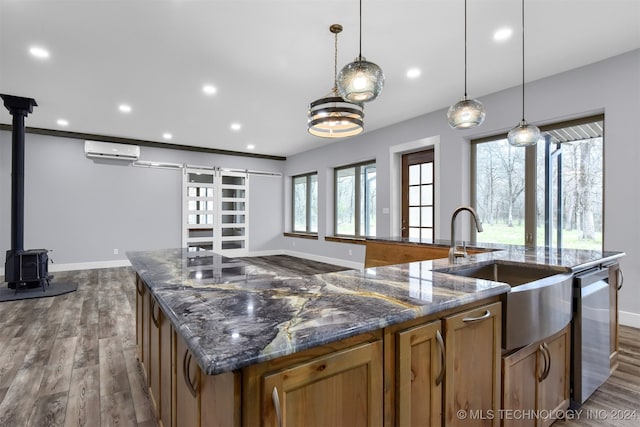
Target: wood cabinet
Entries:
(416, 373)
(389, 253)
(536, 378)
(472, 367)
(615, 284)
(339, 389)
(420, 373)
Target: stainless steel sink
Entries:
(539, 303)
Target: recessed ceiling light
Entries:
(250, 146)
(167, 135)
(413, 73)
(124, 108)
(209, 89)
(502, 34)
(39, 52)
(236, 126)
(62, 122)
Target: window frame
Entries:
(531, 172)
(357, 195)
(308, 177)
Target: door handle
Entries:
(486, 315)
(186, 365)
(546, 349)
(276, 405)
(544, 357)
(440, 341)
(620, 278)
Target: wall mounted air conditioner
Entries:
(110, 150)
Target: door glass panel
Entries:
(414, 196)
(427, 173)
(427, 217)
(427, 194)
(414, 174)
(414, 217)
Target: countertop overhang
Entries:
(233, 312)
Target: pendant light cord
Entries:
(523, 60)
(335, 64)
(465, 49)
(360, 46)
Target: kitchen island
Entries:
(270, 348)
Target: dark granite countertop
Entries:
(235, 312)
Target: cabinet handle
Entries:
(155, 320)
(486, 315)
(276, 405)
(620, 278)
(186, 365)
(544, 357)
(440, 376)
(139, 288)
(546, 349)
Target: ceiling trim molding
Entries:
(144, 143)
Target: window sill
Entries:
(343, 239)
(302, 235)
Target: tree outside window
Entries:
(355, 200)
(305, 203)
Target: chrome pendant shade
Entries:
(466, 113)
(524, 134)
(360, 80)
(331, 116)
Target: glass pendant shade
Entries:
(333, 117)
(466, 113)
(523, 135)
(360, 81)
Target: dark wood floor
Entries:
(70, 360)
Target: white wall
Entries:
(611, 86)
(83, 210)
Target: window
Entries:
(549, 195)
(305, 203)
(355, 200)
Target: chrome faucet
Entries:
(453, 252)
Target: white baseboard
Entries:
(629, 319)
(89, 265)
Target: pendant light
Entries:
(466, 113)
(331, 116)
(360, 80)
(523, 135)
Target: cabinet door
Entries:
(472, 378)
(520, 371)
(420, 374)
(553, 390)
(165, 379)
(615, 283)
(146, 329)
(340, 389)
(187, 385)
(140, 316)
(153, 368)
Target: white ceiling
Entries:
(270, 58)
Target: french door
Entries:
(417, 194)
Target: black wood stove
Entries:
(22, 267)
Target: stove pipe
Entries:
(19, 108)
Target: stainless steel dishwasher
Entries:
(590, 366)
